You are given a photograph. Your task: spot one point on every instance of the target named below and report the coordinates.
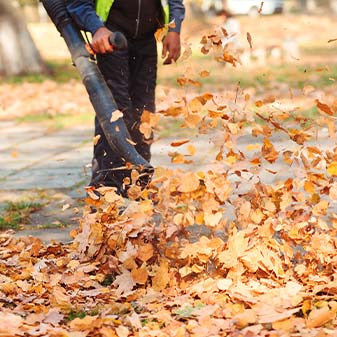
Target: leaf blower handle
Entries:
(118, 41)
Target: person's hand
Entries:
(100, 41)
(171, 47)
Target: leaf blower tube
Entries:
(100, 95)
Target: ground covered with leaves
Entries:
(198, 253)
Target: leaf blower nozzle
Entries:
(100, 95)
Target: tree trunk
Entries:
(18, 53)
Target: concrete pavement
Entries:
(53, 166)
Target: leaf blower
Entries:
(99, 93)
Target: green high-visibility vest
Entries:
(103, 8)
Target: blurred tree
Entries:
(303, 5)
(18, 53)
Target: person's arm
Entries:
(84, 14)
(177, 14)
(171, 44)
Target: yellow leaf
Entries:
(162, 277)
(309, 187)
(257, 216)
(193, 120)
(146, 130)
(140, 275)
(212, 220)
(191, 150)
(199, 219)
(112, 196)
(285, 325)
(160, 33)
(251, 147)
(60, 298)
(245, 318)
(319, 317)
(320, 208)
(204, 73)
(145, 252)
(332, 168)
(195, 105)
(96, 139)
(116, 115)
(189, 182)
(85, 323)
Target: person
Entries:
(131, 73)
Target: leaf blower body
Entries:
(99, 93)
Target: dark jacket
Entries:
(135, 18)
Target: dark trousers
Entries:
(131, 76)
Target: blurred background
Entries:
(276, 45)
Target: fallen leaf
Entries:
(180, 142)
(116, 115)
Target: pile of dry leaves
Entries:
(210, 253)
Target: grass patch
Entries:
(58, 121)
(318, 49)
(261, 77)
(172, 127)
(75, 314)
(52, 225)
(80, 314)
(60, 71)
(16, 214)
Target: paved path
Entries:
(52, 167)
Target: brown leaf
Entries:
(140, 275)
(204, 73)
(249, 39)
(60, 299)
(324, 107)
(189, 183)
(161, 278)
(11, 325)
(86, 323)
(318, 317)
(269, 153)
(180, 142)
(145, 252)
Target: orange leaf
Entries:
(140, 275)
(162, 277)
(189, 183)
(145, 252)
(180, 142)
(204, 73)
(324, 107)
(268, 151)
